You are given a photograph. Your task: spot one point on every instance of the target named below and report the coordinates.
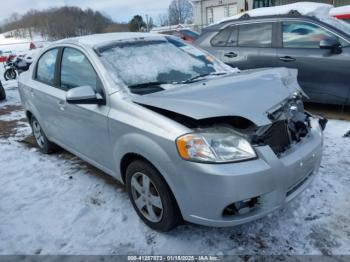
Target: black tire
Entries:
(43, 143)
(171, 215)
(10, 74)
(2, 93)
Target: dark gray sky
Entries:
(118, 10)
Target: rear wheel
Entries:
(2, 92)
(44, 144)
(151, 197)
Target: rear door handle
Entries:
(62, 105)
(287, 59)
(231, 55)
(31, 91)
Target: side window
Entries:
(76, 70)
(45, 71)
(255, 35)
(304, 35)
(221, 38)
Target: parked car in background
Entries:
(342, 12)
(189, 136)
(185, 34)
(318, 47)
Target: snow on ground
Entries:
(58, 204)
(304, 8)
(19, 45)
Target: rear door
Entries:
(44, 95)
(249, 45)
(322, 74)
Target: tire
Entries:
(43, 143)
(168, 216)
(10, 74)
(2, 93)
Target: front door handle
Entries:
(62, 105)
(231, 55)
(287, 59)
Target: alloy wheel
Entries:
(38, 133)
(146, 197)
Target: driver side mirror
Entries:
(84, 95)
(331, 44)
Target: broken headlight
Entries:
(218, 145)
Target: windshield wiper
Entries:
(147, 85)
(203, 75)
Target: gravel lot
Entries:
(59, 204)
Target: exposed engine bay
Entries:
(290, 124)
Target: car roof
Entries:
(102, 39)
(247, 18)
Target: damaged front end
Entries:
(290, 124)
(275, 118)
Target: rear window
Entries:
(255, 35)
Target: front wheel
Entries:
(10, 74)
(151, 197)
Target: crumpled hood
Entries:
(249, 94)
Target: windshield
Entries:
(337, 23)
(160, 61)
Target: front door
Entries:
(84, 128)
(44, 95)
(321, 73)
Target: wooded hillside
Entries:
(58, 23)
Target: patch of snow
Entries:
(17, 45)
(341, 10)
(304, 8)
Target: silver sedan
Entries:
(192, 138)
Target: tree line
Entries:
(63, 22)
(70, 21)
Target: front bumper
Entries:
(209, 189)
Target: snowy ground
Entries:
(58, 204)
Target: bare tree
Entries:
(163, 19)
(180, 12)
(149, 23)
